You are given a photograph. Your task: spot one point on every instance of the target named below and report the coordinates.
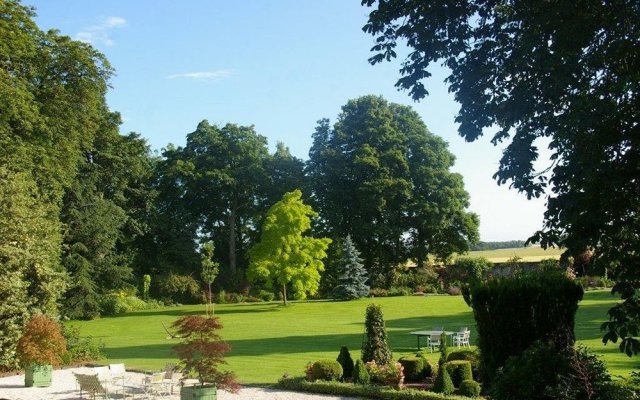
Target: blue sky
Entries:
(280, 65)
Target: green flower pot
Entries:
(198, 393)
(38, 375)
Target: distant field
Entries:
(526, 253)
(269, 339)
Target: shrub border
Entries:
(353, 390)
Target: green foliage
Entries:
(469, 355)
(41, 342)
(379, 175)
(413, 367)
(399, 291)
(428, 370)
(443, 383)
(120, 303)
(390, 374)
(345, 360)
(209, 271)
(512, 313)
(459, 370)
(266, 295)
(352, 277)
(81, 349)
(179, 288)
(146, 285)
(470, 388)
(470, 269)
(360, 373)
(578, 95)
(510, 244)
(326, 370)
(283, 254)
(545, 371)
(360, 391)
(375, 346)
(32, 279)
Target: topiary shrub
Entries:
(469, 388)
(469, 355)
(376, 346)
(360, 373)
(326, 370)
(528, 307)
(428, 369)
(443, 383)
(413, 368)
(345, 360)
(459, 370)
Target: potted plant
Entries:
(201, 353)
(39, 349)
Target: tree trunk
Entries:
(284, 293)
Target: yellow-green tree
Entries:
(284, 255)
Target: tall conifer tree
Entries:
(352, 276)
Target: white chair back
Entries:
(117, 369)
(103, 373)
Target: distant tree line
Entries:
(509, 244)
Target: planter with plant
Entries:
(201, 353)
(39, 349)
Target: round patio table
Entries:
(419, 334)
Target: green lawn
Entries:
(269, 339)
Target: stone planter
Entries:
(38, 375)
(198, 392)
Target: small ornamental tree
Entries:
(202, 350)
(209, 271)
(376, 345)
(352, 276)
(283, 254)
(41, 343)
(146, 285)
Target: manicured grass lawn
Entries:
(532, 254)
(269, 339)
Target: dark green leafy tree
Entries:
(52, 95)
(352, 277)
(210, 270)
(380, 176)
(375, 345)
(219, 179)
(563, 74)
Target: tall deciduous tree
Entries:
(564, 71)
(284, 255)
(380, 176)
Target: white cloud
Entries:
(99, 34)
(208, 76)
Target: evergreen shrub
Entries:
(266, 295)
(352, 276)
(443, 383)
(469, 355)
(512, 313)
(470, 388)
(459, 370)
(360, 373)
(413, 368)
(345, 360)
(376, 345)
(326, 370)
(428, 369)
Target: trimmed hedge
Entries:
(429, 370)
(469, 355)
(470, 388)
(443, 383)
(512, 313)
(353, 390)
(459, 370)
(326, 370)
(345, 360)
(413, 368)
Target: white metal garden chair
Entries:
(92, 385)
(462, 338)
(434, 341)
(155, 386)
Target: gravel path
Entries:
(63, 387)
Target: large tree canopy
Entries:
(380, 176)
(568, 72)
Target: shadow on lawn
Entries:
(179, 312)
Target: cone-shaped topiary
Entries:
(443, 383)
(344, 358)
(376, 346)
(360, 373)
(459, 370)
(352, 276)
